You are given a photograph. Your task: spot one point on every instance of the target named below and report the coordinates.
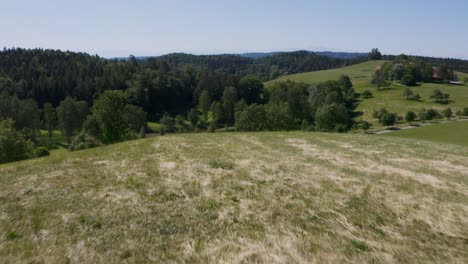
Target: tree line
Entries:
(451, 63)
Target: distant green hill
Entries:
(361, 72)
(392, 97)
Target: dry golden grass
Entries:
(240, 198)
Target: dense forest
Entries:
(52, 75)
(95, 101)
(265, 68)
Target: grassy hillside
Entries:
(453, 133)
(391, 97)
(462, 75)
(239, 197)
(358, 73)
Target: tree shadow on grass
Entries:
(386, 89)
(356, 114)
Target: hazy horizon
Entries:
(120, 28)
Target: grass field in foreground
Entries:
(390, 98)
(239, 197)
(453, 133)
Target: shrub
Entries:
(168, 124)
(447, 112)
(379, 113)
(428, 114)
(13, 145)
(410, 95)
(42, 152)
(365, 125)
(212, 127)
(410, 117)
(84, 140)
(366, 94)
(465, 111)
(416, 97)
(408, 80)
(388, 119)
(440, 97)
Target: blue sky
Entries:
(119, 28)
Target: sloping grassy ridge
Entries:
(239, 197)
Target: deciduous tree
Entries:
(50, 118)
(204, 104)
(71, 115)
(229, 102)
(375, 54)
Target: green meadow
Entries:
(453, 133)
(390, 97)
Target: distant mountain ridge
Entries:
(331, 54)
(258, 55)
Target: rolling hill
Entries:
(359, 73)
(392, 97)
(239, 197)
